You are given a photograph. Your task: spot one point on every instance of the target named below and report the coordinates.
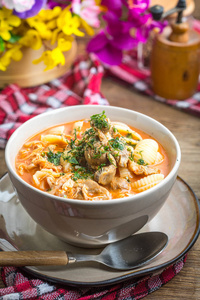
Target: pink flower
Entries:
(19, 5)
(108, 45)
(87, 10)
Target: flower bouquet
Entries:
(50, 28)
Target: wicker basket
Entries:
(26, 74)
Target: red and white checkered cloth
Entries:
(81, 85)
(21, 286)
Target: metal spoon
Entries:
(129, 253)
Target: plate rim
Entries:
(122, 278)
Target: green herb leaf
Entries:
(101, 166)
(129, 135)
(81, 173)
(72, 160)
(116, 144)
(99, 121)
(54, 157)
(141, 161)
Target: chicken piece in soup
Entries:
(92, 159)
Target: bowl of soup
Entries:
(92, 175)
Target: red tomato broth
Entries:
(27, 176)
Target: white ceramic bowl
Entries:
(86, 223)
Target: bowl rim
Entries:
(94, 202)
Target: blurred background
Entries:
(197, 9)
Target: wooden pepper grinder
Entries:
(175, 57)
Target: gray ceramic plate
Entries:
(179, 218)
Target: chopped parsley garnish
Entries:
(141, 162)
(81, 173)
(54, 158)
(99, 121)
(129, 135)
(110, 159)
(98, 152)
(75, 135)
(76, 176)
(90, 132)
(116, 144)
(72, 143)
(131, 157)
(72, 160)
(101, 166)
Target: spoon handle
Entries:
(33, 258)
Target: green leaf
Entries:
(54, 157)
(14, 38)
(2, 46)
(99, 121)
(73, 160)
(116, 144)
(141, 162)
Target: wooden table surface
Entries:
(186, 128)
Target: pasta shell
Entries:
(126, 130)
(57, 130)
(159, 158)
(147, 151)
(52, 138)
(146, 183)
(131, 142)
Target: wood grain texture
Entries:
(33, 258)
(186, 128)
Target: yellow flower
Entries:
(46, 57)
(2, 67)
(40, 26)
(68, 23)
(31, 39)
(4, 62)
(13, 53)
(49, 14)
(54, 36)
(51, 24)
(55, 57)
(45, 22)
(57, 34)
(58, 56)
(7, 22)
(51, 58)
(64, 45)
(88, 28)
(16, 53)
